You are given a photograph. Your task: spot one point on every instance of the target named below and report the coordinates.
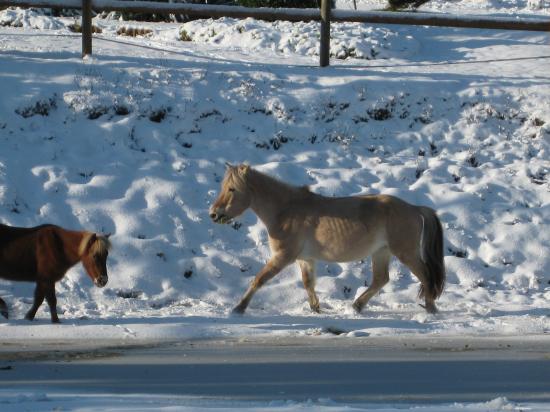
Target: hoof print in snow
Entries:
(472, 161)
(346, 290)
(86, 175)
(162, 256)
(187, 274)
(458, 253)
(245, 268)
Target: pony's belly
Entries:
(341, 251)
(17, 277)
(343, 240)
(347, 255)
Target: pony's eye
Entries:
(231, 189)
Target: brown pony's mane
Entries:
(100, 246)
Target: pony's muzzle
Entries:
(101, 282)
(219, 217)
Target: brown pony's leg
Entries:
(272, 268)
(52, 302)
(308, 277)
(380, 276)
(3, 308)
(39, 294)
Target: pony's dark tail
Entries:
(3, 308)
(432, 254)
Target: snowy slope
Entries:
(133, 141)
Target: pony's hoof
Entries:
(431, 309)
(238, 310)
(357, 307)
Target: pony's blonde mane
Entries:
(237, 178)
(244, 176)
(100, 246)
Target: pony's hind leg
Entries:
(380, 276)
(418, 268)
(3, 308)
(308, 277)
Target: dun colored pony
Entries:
(305, 227)
(43, 254)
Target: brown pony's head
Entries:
(235, 196)
(94, 250)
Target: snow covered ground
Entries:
(133, 141)
(83, 402)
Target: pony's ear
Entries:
(229, 165)
(243, 170)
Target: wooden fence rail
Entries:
(325, 16)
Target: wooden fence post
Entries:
(86, 27)
(325, 33)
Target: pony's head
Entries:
(234, 197)
(94, 250)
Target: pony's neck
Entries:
(269, 196)
(74, 245)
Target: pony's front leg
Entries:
(52, 302)
(274, 266)
(39, 294)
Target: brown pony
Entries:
(43, 254)
(305, 227)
